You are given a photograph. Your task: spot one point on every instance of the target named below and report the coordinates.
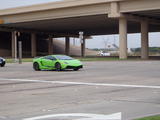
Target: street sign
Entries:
(81, 36)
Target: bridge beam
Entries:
(114, 10)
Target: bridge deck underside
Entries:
(91, 25)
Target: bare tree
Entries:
(105, 42)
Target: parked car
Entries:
(56, 62)
(2, 62)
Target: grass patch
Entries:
(98, 59)
(106, 59)
(157, 117)
(81, 59)
(23, 60)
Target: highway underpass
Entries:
(69, 17)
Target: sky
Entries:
(16, 3)
(97, 41)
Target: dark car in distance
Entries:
(2, 62)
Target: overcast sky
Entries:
(96, 42)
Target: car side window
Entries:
(50, 58)
(53, 58)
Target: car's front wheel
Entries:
(36, 67)
(58, 66)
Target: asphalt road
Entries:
(101, 88)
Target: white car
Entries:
(104, 53)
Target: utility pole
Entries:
(20, 51)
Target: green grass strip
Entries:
(157, 117)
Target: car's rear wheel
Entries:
(58, 66)
(76, 69)
(36, 67)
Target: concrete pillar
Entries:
(33, 45)
(67, 45)
(50, 45)
(83, 47)
(123, 38)
(144, 40)
(14, 45)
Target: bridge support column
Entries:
(83, 47)
(67, 45)
(123, 38)
(33, 45)
(14, 45)
(50, 45)
(144, 40)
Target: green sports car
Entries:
(56, 62)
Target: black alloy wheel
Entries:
(58, 66)
(36, 66)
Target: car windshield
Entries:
(64, 57)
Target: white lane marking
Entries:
(84, 83)
(81, 116)
(3, 117)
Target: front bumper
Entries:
(2, 62)
(73, 67)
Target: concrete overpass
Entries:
(94, 17)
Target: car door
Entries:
(49, 62)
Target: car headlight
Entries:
(2, 59)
